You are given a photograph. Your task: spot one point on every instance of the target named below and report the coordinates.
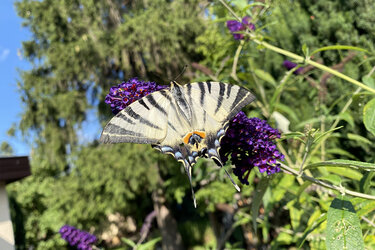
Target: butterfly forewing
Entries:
(144, 121)
(220, 100)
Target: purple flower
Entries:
(250, 143)
(124, 94)
(290, 65)
(75, 237)
(235, 26)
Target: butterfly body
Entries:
(185, 121)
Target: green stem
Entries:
(235, 61)
(299, 59)
(325, 184)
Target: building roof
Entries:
(14, 168)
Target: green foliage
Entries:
(343, 226)
(80, 49)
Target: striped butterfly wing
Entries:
(144, 121)
(215, 103)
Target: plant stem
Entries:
(300, 59)
(235, 61)
(325, 184)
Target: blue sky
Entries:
(12, 35)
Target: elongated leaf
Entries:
(343, 226)
(339, 47)
(350, 173)
(343, 163)
(291, 135)
(339, 151)
(265, 76)
(334, 179)
(321, 135)
(257, 200)
(149, 245)
(291, 113)
(312, 227)
(365, 183)
(367, 208)
(359, 138)
(128, 242)
(369, 116)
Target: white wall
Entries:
(6, 228)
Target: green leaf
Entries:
(305, 50)
(369, 116)
(311, 228)
(242, 221)
(359, 138)
(346, 172)
(265, 76)
(321, 135)
(128, 241)
(292, 135)
(339, 151)
(257, 200)
(149, 245)
(339, 47)
(365, 182)
(369, 81)
(343, 163)
(291, 113)
(334, 179)
(343, 226)
(367, 208)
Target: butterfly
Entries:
(186, 121)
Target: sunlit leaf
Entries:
(343, 226)
(334, 179)
(343, 163)
(265, 76)
(339, 47)
(369, 116)
(369, 81)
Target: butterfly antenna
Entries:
(188, 172)
(182, 71)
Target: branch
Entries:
(297, 57)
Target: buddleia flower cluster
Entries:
(75, 237)
(250, 142)
(236, 26)
(122, 95)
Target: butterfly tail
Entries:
(188, 172)
(214, 155)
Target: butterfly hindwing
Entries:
(144, 121)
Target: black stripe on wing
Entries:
(142, 120)
(243, 98)
(125, 118)
(221, 96)
(203, 92)
(152, 101)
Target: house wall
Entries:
(6, 228)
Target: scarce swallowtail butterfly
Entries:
(186, 121)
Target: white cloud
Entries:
(4, 54)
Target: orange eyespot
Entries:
(187, 137)
(201, 134)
